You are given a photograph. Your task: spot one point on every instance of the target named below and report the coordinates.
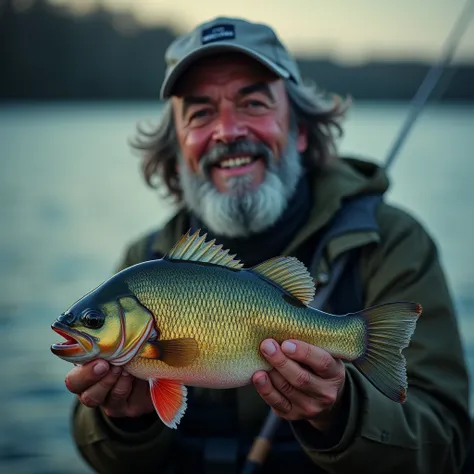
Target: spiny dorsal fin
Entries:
(290, 274)
(194, 248)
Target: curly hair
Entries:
(309, 108)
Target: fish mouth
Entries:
(77, 347)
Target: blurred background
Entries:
(76, 77)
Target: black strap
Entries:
(274, 427)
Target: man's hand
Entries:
(117, 392)
(306, 382)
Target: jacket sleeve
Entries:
(122, 445)
(430, 431)
(143, 444)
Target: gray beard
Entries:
(242, 211)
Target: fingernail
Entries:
(269, 348)
(116, 370)
(261, 380)
(288, 347)
(100, 368)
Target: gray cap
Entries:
(223, 34)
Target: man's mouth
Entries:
(236, 162)
(231, 166)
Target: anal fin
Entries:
(169, 399)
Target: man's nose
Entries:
(229, 128)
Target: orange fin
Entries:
(173, 352)
(150, 350)
(169, 399)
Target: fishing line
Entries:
(262, 443)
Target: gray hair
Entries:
(310, 108)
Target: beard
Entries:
(243, 210)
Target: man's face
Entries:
(239, 154)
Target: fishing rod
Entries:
(263, 442)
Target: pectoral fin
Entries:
(169, 399)
(174, 352)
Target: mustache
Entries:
(238, 148)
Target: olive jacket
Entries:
(429, 433)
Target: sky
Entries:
(349, 30)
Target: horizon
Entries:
(401, 31)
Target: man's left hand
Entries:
(306, 382)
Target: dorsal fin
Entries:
(194, 248)
(290, 274)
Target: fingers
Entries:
(280, 404)
(287, 401)
(288, 359)
(139, 401)
(130, 397)
(81, 377)
(305, 381)
(292, 371)
(322, 363)
(117, 392)
(96, 394)
(92, 382)
(116, 402)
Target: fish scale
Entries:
(229, 314)
(197, 317)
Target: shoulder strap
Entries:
(356, 214)
(343, 290)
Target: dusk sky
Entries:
(346, 29)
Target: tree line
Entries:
(48, 53)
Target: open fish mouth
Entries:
(76, 346)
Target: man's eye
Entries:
(199, 114)
(255, 103)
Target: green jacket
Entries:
(427, 434)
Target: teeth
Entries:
(235, 162)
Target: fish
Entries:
(196, 318)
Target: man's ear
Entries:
(302, 138)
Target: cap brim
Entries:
(208, 50)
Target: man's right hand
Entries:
(118, 393)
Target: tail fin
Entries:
(389, 329)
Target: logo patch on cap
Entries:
(217, 33)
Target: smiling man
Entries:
(248, 150)
(239, 152)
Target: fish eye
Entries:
(93, 319)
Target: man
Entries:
(249, 152)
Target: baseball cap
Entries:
(223, 34)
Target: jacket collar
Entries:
(345, 178)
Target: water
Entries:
(71, 196)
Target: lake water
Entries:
(71, 196)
